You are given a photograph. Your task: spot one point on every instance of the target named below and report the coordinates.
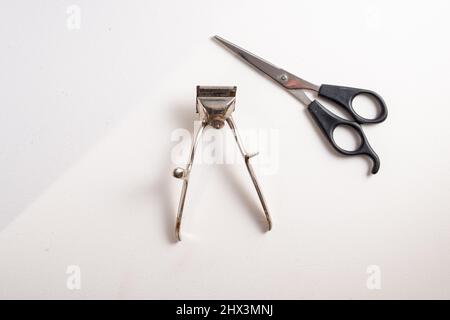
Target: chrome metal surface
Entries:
(247, 156)
(301, 96)
(184, 174)
(283, 77)
(215, 105)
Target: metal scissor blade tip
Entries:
(228, 44)
(219, 38)
(259, 63)
(250, 57)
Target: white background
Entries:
(85, 151)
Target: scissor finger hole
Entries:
(366, 106)
(347, 138)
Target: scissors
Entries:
(325, 119)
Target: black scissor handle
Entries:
(327, 121)
(344, 96)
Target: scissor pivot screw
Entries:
(284, 77)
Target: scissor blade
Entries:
(272, 71)
(286, 79)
